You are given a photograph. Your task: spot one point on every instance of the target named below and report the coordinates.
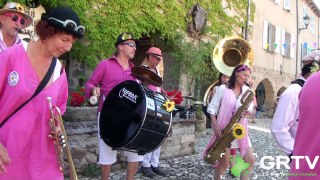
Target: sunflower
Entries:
(238, 131)
(168, 105)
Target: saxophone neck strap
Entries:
(41, 86)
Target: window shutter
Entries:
(283, 40)
(265, 35)
(277, 40)
(287, 4)
(293, 46)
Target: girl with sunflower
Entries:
(224, 103)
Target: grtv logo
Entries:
(269, 162)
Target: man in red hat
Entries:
(12, 19)
(151, 160)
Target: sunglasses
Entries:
(130, 44)
(243, 68)
(16, 18)
(158, 58)
(69, 24)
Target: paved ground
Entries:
(193, 168)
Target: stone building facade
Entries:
(280, 39)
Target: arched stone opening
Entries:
(265, 96)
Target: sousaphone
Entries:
(227, 54)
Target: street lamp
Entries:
(306, 22)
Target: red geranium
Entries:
(77, 98)
(176, 96)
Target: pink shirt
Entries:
(25, 134)
(3, 45)
(107, 75)
(284, 124)
(307, 142)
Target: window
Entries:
(312, 24)
(277, 1)
(268, 37)
(306, 49)
(287, 4)
(287, 44)
(304, 13)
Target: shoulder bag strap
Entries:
(41, 86)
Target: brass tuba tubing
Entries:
(60, 140)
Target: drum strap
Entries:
(41, 86)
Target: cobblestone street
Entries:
(192, 167)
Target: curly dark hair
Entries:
(44, 30)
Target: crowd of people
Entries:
(34, 73)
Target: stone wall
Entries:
(83, 140)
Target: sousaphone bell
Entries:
(230, 52)
(227, 54)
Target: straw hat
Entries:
(17, 8)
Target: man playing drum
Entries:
(104, 78)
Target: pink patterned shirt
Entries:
(25, 134)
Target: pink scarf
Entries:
(227, 108)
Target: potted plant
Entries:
(78, 108)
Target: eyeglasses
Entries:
(15, 18)
(157, 57)
(69, 24)
(130, 44)
(243, 68)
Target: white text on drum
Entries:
(128, 94)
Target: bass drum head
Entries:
(122, 113)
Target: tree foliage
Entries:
(106, 19)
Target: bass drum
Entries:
(132, 118)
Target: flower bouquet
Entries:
(77, 98)
(175, 95)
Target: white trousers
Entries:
(152, 158)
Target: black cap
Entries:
(306, 69)
(124, 37)
(62, 14)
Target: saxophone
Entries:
(60, 140)
(214, 153)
